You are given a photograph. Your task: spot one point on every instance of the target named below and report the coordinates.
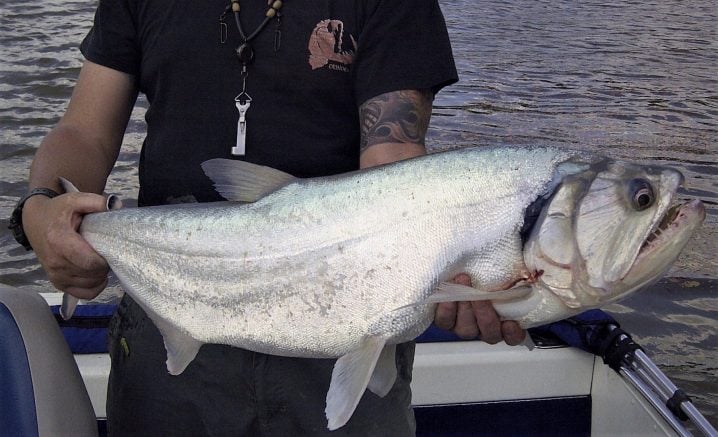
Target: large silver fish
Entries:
(350, 265)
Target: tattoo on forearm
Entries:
(395, 117)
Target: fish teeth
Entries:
(664, 224)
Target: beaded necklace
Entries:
(245, 54)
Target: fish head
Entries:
(608, 230)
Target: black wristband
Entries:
(16, 218)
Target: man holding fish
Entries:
(311, 88)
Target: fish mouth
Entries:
(665, 224)
(672, 233)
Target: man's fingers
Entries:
(470, 319)
(67, 275)
(80, 254)
(466, 326)
(80, 204)
(488, 321)
(70, 252)
(462, 279)
(445, 315)
(85, 203)
(512, 333)
(80, 287)
(70, 262)
(89, 291)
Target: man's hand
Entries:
(471, 319)
(51, 226)
(82, 147)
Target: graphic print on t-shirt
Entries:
(326, 46)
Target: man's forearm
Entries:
(83, 146)
(66, 152)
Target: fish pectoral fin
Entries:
(243, 181)
(350, 379)
(181, 348)
(69, 303)
(384, 375)
(450, 292)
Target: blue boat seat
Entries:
(41, 390)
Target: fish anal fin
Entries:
(350, 379)
(181, 348)
(384, 375)
(243, 181)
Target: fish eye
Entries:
(641, 194)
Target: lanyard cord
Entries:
(272, 12)
(245, 53)
(256, 31)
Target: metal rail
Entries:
(671, 402)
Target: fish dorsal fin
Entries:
(384, 376)
(350, 378)
(243, 181)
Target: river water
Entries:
(632, 80)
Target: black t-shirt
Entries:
(303, 118)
